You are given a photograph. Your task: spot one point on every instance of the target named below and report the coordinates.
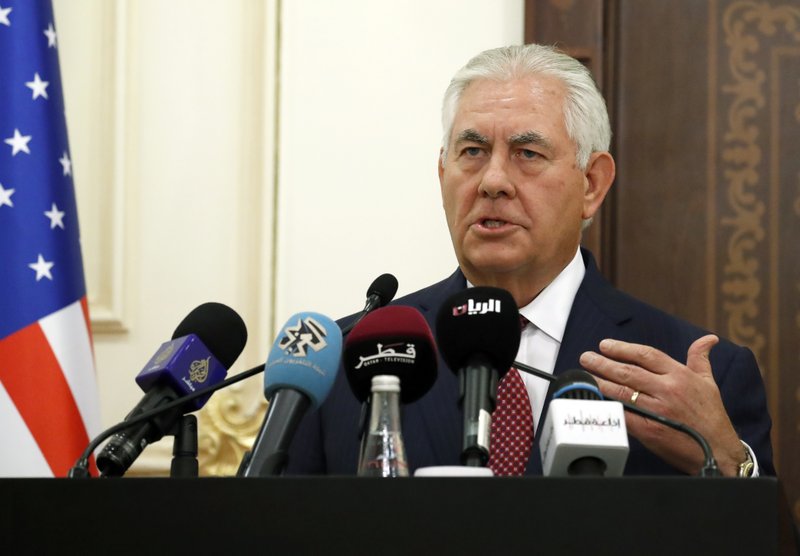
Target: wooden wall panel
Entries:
(660, 147)
(705, 214)
(577, 27)
(754, 190)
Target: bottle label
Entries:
(484, 428)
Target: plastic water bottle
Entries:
(384, 454)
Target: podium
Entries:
(350, 515)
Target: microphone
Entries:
(379, 294)
(394, 340)
(478, 334)
(582, 433)
(709, 468)
(299, 374)
(204, 345)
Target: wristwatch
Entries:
(746, 467)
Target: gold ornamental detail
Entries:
(227, 426)
(743, 24)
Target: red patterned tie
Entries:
(512, 425)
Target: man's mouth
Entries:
(489, 223)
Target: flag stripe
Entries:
(68, 337)
(34, 381)
(21, 454)
(88, 322)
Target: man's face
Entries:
(512, 191)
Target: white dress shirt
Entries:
(541, 339)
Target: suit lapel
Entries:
(437, 416)
(598, 312)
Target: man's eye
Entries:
(528, 154)
(472, 151)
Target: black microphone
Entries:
(379, 294)
(395, 341)
(299, 374)
(478, 333)
(204, 345)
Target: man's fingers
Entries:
(643, 356)
(619, 391)
(697, 356)
(616, 372)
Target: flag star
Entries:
(38, 86)
(51, 36)
(5, 196)
(56, 217)
(4, 16)
(19, 143)
(66, 163)
(42, 268)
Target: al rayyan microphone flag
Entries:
(48, 393)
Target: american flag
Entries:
(48, 394)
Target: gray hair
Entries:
(585, 114)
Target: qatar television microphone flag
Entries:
(48, 395)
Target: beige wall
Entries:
(273, 156)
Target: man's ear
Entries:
(441, 167)
(598, 177)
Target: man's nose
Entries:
(496, 180)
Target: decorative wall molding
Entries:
(94, 67)
(744, 23)
(107, 309)
(228, 426)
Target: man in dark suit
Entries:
(523, 168)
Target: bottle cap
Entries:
(385, 383)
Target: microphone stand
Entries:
(184, 448)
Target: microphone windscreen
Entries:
(384, 286)
(220, 329)
(394, 340)
(575, 384)
(479, 320)
(305, 357)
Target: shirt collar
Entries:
(550, 309)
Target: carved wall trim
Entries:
(106, 303)
(759, 36)
(94, 74)
(227, 428)
(743, 24)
